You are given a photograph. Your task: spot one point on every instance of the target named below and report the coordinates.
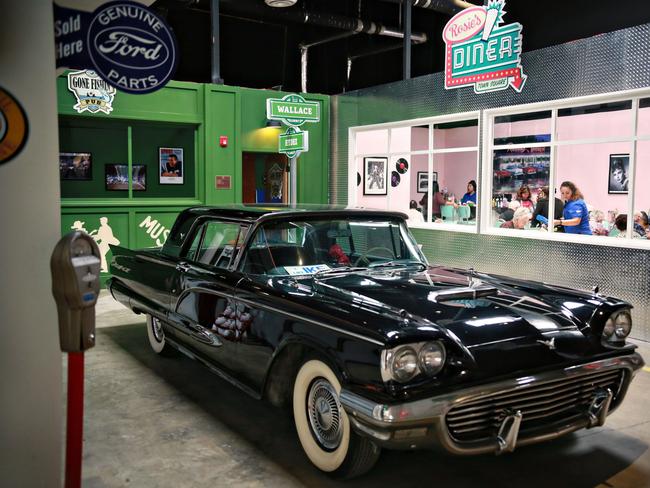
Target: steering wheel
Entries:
(364, 256)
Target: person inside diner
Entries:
(541, 209)
(470, 196)
(575, 218)
(519, 220)
(438, 199)
(413, 213)
(524, 197)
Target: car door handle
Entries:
(184, 267)
(203, 334)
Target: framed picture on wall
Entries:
(375, 176)
(117, 177)
(170, 160)
(423, 180)
(619, 165)
(75, 166)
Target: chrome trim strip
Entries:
(311, 321)
(160, 261)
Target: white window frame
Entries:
(430, 151)
(485, 224)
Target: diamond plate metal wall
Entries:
(605, 63)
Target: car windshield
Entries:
(307, 247)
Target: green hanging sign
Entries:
(293, 110)
(293, 142)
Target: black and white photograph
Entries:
(619, 165)
(171, 165)
(375, 176)
(423, 181)
(75, 166)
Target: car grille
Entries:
(541, 404)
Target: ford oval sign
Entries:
(131, 47)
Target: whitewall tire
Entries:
(156, 336)
(323, 426)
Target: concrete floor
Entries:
(168, 422)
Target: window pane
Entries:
(641, 194)
(643, 123)
(453, 191)
(600, 172)
(588, 122)
(218, 244)
(406, 139)
(417, 180)
(372, 141)
(455, 134)
(518, 176)
(522, 128)
(399, 188)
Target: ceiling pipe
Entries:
(445, 6)
(304, 55)
(322, 19)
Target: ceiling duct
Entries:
(333, 21)
(445, 6)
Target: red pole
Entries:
(75, 420)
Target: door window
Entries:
(216, 243)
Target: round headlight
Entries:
(405, 364)
(432, 358)
(622, 325)
(609, 328)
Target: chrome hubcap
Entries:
(156, 326)
(324, 413)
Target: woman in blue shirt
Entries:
(470, 196)
(575, 219)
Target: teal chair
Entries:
(447, 212)
(464, 213)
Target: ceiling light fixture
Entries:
(280, 3)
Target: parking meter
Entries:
(75, 266)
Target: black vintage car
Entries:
(336, 313)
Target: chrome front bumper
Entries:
(421, 423)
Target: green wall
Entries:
(184, 115)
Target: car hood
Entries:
(473, 309)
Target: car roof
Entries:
(254, 213)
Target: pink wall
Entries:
(523, 128)
(589, 126)
(588, 167)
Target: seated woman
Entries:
(524, 197)
(414, 213)
(599, 226)
(519, 220)
(470, 196)
(621, 224)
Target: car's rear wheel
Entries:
(323, 426)
(156, 336)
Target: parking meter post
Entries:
(74, 423)
(75, 266)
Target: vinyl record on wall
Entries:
(394, 178)
(358, 178)
(402, 166)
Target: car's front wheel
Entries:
(156, 336)
(323, 426)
